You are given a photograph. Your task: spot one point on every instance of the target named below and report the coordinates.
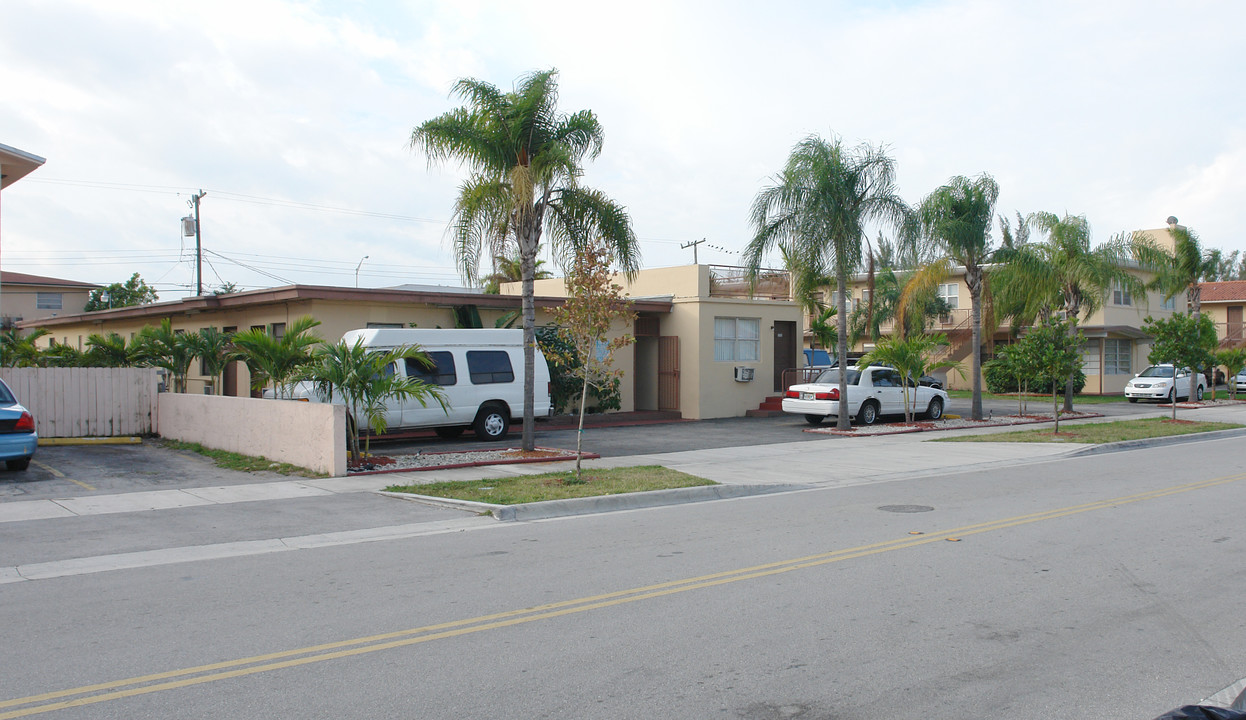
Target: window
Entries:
(278, 330)
(1090, 357)
(737, 339)
(1169, 303)
(380, 325)
(442, 374)
(950, 294)
(489, 366)
(48, 301)
(1120, 295)
(1116, 356)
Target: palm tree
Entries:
(818, 208)
(163, 347)
(215, 350)
(17, 350)
(956, 218)
(909, 355)
(1063, 273)
(1183, 270)
(525, 159)
(277, 361)
(110, 350)
(357, 376)
(510, 269)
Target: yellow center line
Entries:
(173, 679)
(60, 475)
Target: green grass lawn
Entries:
(1096, 433)
(558, 485)
(1032, 398)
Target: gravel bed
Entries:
(420, 461)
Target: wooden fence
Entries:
(87, 402)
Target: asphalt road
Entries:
(1105, 586)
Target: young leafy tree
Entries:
(277, 361)
(956, 218)
(593, 306)
(910, 355)
(525, 160)
(818, 208)
(163, 347)
(1185, 341)
(18, 350)
(1179, 272)
(1233, 360)
(132, 292)
(1054, 348)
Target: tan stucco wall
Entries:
(310, 435)
(18, 301)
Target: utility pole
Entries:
(194, 203)
(692, 245)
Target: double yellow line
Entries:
(213, 672)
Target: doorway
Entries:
(784, 350)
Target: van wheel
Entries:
(493, 422)
(449, 433)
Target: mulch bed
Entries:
(446, 460)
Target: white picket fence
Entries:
(87, 402)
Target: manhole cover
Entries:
(906, 508)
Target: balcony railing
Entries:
(733, 281)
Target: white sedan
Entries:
(1157, 383)
(873, 391)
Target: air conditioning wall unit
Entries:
(743, 374)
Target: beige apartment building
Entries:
(1223, 303)
(702, 348)
(26, 297)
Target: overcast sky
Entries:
(295, 118)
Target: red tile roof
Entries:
(1227, 290)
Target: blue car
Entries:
(18, 438)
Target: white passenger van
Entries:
(480, 372)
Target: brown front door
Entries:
(668, 372)
(784, 350)
(1235, 324)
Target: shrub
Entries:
(999, 380)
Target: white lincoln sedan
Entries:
(873, 391)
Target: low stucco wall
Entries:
(310, 435)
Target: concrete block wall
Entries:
(310, 435)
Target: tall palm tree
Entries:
(1063, 274)
(525, 160)
(1183, 270)
(818, 207)
(956, 218)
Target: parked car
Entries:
(1239, 381)
(873, 392)
(18, 438)
(1157, 383)
(479, 371)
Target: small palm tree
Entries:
(1233, 360)
(910, 355)
(111, 350)
(509, 270)
(215, 350)
(279, 361)
(359, 378)
(18, 350)
(165, 348)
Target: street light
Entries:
(365, 257)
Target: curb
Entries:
(907, 430)
(54, 442)
(1124, 445)
(600, 503)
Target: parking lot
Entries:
(72, 471)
